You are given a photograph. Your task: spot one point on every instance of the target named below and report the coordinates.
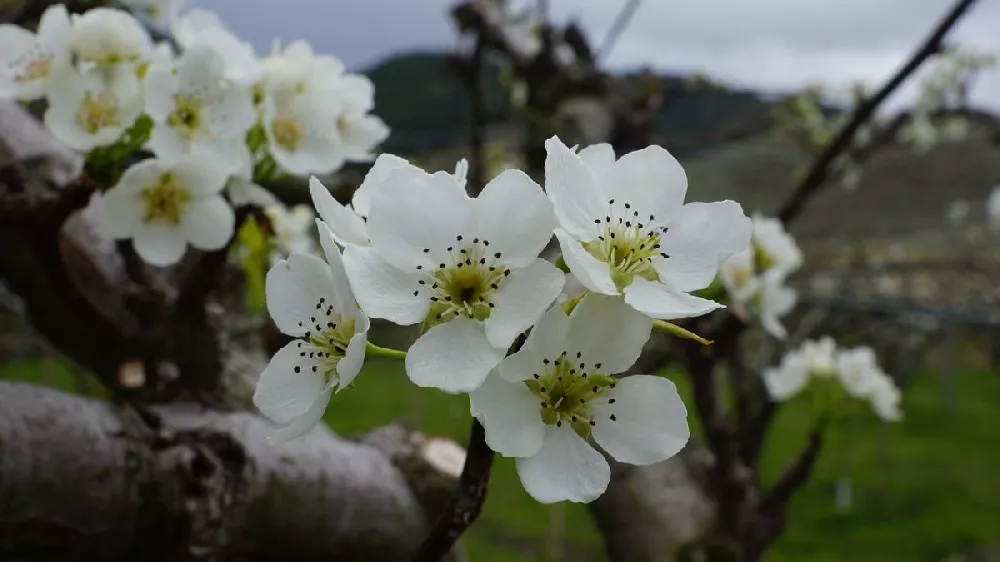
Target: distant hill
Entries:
(427, 108)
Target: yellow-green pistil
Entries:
(186, 116)
(628, 244)
(164, 201)
(328, 333)
(566, 388)
(97, 111)
(463, 284)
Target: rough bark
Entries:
(88, 480)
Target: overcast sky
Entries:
(765, 44)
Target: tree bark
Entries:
(87, 480)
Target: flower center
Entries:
(463, 284)
(567, 389)
(164, 201)
(325, 342)
(97, 111)
(630, 246)
(287, 133)
(186, 115)
(33, 66)
(762, 260)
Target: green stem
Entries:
(569, 305)
(675, 330)
(372, 350)
(561, 264)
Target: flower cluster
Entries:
(213, 115)
(417, 250)
(755, 277)
(856, 370)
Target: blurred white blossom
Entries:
(29, 62)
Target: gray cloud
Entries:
(766, 44)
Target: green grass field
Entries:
(924, 490)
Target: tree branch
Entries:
(815, 178)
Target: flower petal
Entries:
(283, 395)
(546, 341)
(521, 300)
(159, 245)
(354, 357)
(382, 290)
(591, 272)
(416, 211)
(345, 224)
(650, 420)
(454, 356)
(701, 236)
(376, 176)
(201, 174)
(513, 213)
(208, 223)
(510, 414)
(566, 468)
(302, 424)
(650, 179)
(343, 297)
(601, 160)
(574, 190)
(293, 290)
(605, 330)
(662, 302)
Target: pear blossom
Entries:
(310, 300)
(467, 268)
(204, 27)
(857, 369)
(164, 206)
(773, 301)
(884, 397)
(347, 222)
(624, 228)
(92, 108)
(297, 69)
(292, 230)
(543, 403)
(993, 208)
(109, 35)
(774, 247)
(813, 359)
(194, 109)
(29, 61)
(301, 133)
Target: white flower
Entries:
(203, 27)
(94, 107)
(302, 133)
(857, 370)
(468, 268)
(311, 301)
(993, 208)
(625, 230)
(347, 222)
(298, 69)
(774, 246)
(774, 299)
(544, 402)
(196, 110)
(164, 206)
(885, 397)
(107, 35)
(292, 230)
(29, 61)
(813, 359)
(739, 277)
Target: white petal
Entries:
(354, 356)
(282, 394)
(591, 272)
(160, 85)
(360, 134)
(345, 225)
(566, 468)
(376, 176)
(382, 290)
(343, 297)
(652, 180)
(513, 213)
(293, 289)
(245, 192)
(601, 159)
(700, 237)
(159, 245)
(302, 424)
(546, 341)
(510, 414)
(208, 223)
(521, 301)
(574, 190)
(603, 329)
(414, 211)
(454, 356)
(168, 143)
(200, 174)
(662, 302)
(650, 422)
